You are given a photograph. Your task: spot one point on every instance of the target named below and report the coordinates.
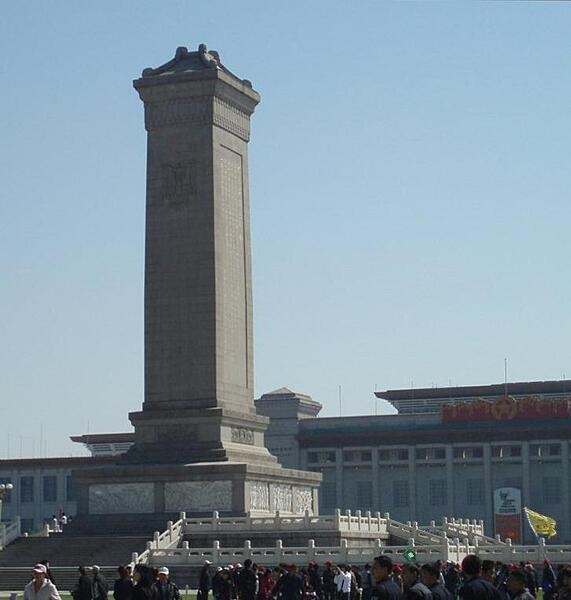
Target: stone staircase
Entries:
(106, 541)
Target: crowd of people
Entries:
(382, 579)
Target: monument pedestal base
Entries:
(198, 488)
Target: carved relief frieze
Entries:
(232, 119)
(118, 498)
(302, 500)
(281, 497)
(241, 435)
(198, 495)
(259, 496)
(178, 110)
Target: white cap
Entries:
(207, 562)
(163, 571)
(39, 568)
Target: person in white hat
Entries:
(41, 588)
(166, 588)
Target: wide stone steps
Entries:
(65, 551)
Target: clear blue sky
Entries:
(410, 185)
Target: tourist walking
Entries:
(328, 582)
(204, 581)
(83, 589)
(41, 588)
(123, 586)
(144, 579)
(476, 587)
(384, 588)
(99, 584)
(247, 582)
(430, 575)
(516, 589)
(290, 585)
(414, 589)
(167, 589)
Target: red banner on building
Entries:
(506, 408)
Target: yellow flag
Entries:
(540, 524)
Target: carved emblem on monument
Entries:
(177, 182)
(241, 435)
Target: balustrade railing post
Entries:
(279, 551)
(216, 552)
(310, 550)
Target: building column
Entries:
(565, 490)
(302, 459)
(488, 490)
(525, 475)
(412, 484)
(375, 479)
(339, 479)
(450, 481)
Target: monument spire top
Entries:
(187, 62)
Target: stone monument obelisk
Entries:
(199, 444)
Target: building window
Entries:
(437, 492)
(430, 453)
(69, 488)
(514, 451)
(390, 455)
(400, 493)
(26, 489)
(50, 488)
(554, 449)
(475, 492)
(551, 490)
(328, 494)
(357, 455)
(312, 457)
(539, 450)
(27, 525)
(465, 452)
(364, 495)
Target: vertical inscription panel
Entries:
(231, 254)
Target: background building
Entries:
(443, 454)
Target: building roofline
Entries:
(498, 389)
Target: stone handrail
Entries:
(411, 530)
(473, 530)
(170, 538)
(10, 532)
(277, 522)
(299, 555)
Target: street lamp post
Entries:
(4, 489)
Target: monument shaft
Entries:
(198, 294)
(199, 444)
